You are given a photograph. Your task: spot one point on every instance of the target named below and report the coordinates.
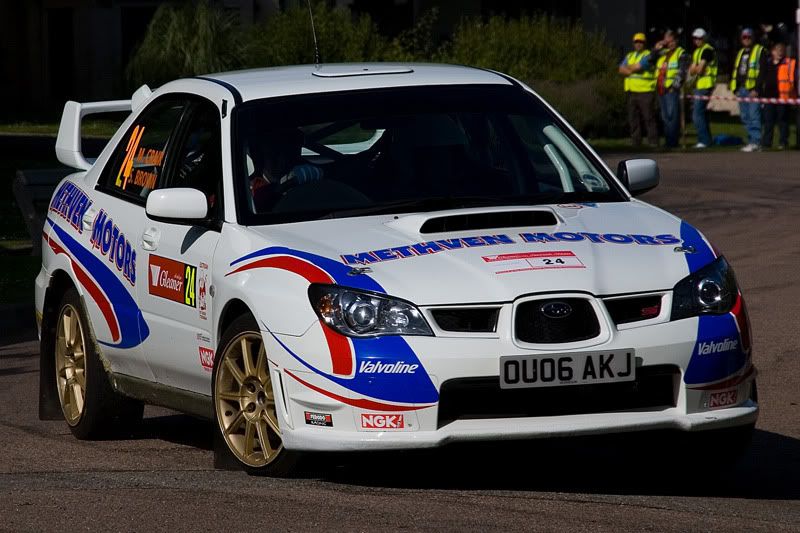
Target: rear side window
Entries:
(137, 165)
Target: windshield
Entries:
(406, 150)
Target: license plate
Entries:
(520, 371)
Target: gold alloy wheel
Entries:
(245, 402)
(70, 364)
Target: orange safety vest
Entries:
(786, 79)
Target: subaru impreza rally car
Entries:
(376, 256)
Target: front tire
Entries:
(89, 404)
(244, 402)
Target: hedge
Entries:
(572, 68)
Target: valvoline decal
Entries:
(718, 352)
(384, 368)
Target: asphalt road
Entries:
(160, 477)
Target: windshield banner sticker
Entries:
(442, 245)
(508, 263)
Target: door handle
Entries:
(150, 239)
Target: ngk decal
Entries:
(382, 421)
(206, 353)
(172, 280)
(717, 400)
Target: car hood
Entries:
(602, 249)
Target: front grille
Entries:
(535, 326)
(471, 320)
(655, 388)
(626, 310)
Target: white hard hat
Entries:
(699, 33)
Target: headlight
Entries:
(363, 314)
(710, 290)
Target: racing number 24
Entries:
(189, 278)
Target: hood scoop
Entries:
(490, 220)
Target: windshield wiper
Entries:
(440, 203)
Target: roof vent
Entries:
(492, 220)
(344, 71)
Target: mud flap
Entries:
(223, 458)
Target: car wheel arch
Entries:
(232, 310)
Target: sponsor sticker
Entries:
(382, 421)
(725, 345)
(206, 353)
(446, 245)
(718, 400)
(376, 367)
(319, 419)
(71, 203)
(520, 262)
(206, 357)
(172, 280)
(202, 286)
(110, 240)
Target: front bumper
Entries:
(315, 439)
(301, 367)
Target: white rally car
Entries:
(363, 257)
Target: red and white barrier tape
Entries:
(789, 101)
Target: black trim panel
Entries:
(237, 96)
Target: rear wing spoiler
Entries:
(68, 143)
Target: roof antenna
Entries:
(314, 33)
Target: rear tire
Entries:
(89, 404)
(245, 413)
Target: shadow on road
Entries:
(640, 464)
(177, 429)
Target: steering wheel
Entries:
(319, 195)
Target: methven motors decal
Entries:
(443, 245)
(172, 280)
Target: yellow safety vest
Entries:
(673, 66)
(753, 66)
(643, 81)
(708, 78)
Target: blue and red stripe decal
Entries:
(123, 317)
(712, 368)
(348, 354)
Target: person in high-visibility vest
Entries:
(704, 69)
(671, 67)
(746, 68)
(640, 86)
(777, 80)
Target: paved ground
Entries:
(161, 477)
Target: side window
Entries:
(198, 161)
(137, 165)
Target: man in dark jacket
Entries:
(777, 80)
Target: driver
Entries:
(278, 167)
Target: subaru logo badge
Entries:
(556, 309)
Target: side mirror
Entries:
(638, 175)
(177, 205)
